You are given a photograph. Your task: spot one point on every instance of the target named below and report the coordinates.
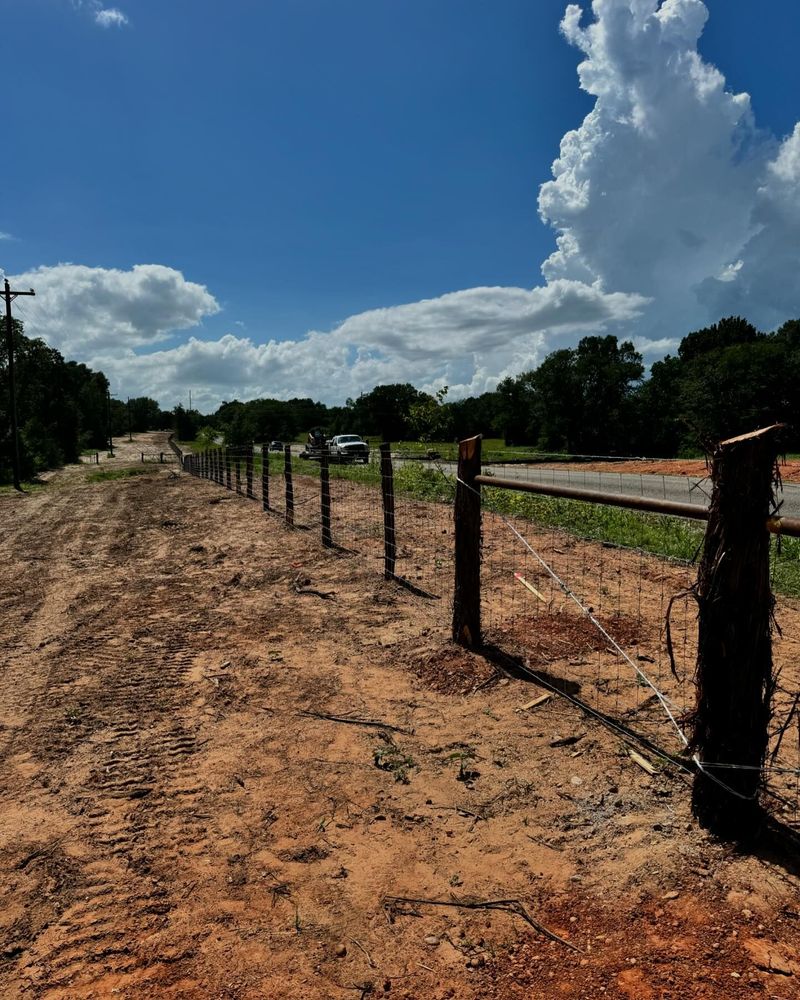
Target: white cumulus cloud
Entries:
(84, 310)
(465, 339)
(668, 188)
(670, 209)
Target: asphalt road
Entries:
(683, 489)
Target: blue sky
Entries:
(247, 193)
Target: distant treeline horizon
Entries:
(593, 398)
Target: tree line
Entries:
(63, 408)
(591, 399)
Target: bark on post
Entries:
(467, 516)
(228, 468)
(734, 675)
(265, 475)
(287, 473)
(249, 470)
(325, 498)
(387, 491)
(221, 466)
(238, 474)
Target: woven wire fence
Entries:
(574, 589)
(354, 518)
(614, 626)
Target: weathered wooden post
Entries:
(467, 517)
(248, 458)
(265, 475)
(734, 676)
(325, 498)
(387, 493)
(238, 474)
(220, 466)
(228, 468)
(287, 474)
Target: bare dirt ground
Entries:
(174, 825)
(695, 467)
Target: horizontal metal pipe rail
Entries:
(651, 505)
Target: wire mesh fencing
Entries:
(370, 510)
(598, 602)
(615, 627)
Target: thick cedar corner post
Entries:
(467, 517)
(734, 675)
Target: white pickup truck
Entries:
(348, 448)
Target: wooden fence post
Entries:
(467, 516)
(325, 498)
(287, 473)
(387, 492)
(248, 459)
(734, 676)
(265, 475)
(220, 466)
(228, 468)
(238, 474)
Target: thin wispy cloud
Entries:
(6, 236)
(105, 17)
(110, 17)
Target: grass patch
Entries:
(105, 475)
(28, 486)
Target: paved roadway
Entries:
(684, 489)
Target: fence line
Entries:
(610, 626)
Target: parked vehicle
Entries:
(340, 448)
(348, 448)
(276, 446)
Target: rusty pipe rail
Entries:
(650, 505)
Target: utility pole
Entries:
(108, 413)
(190, 401)
(9, 296)
(130, 435)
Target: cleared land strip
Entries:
(173, 825)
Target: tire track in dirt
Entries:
(118, 693)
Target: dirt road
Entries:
(173, 825)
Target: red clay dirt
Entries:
(694, 467)
(174, 824)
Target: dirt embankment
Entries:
(174, 823)
(694, 467)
